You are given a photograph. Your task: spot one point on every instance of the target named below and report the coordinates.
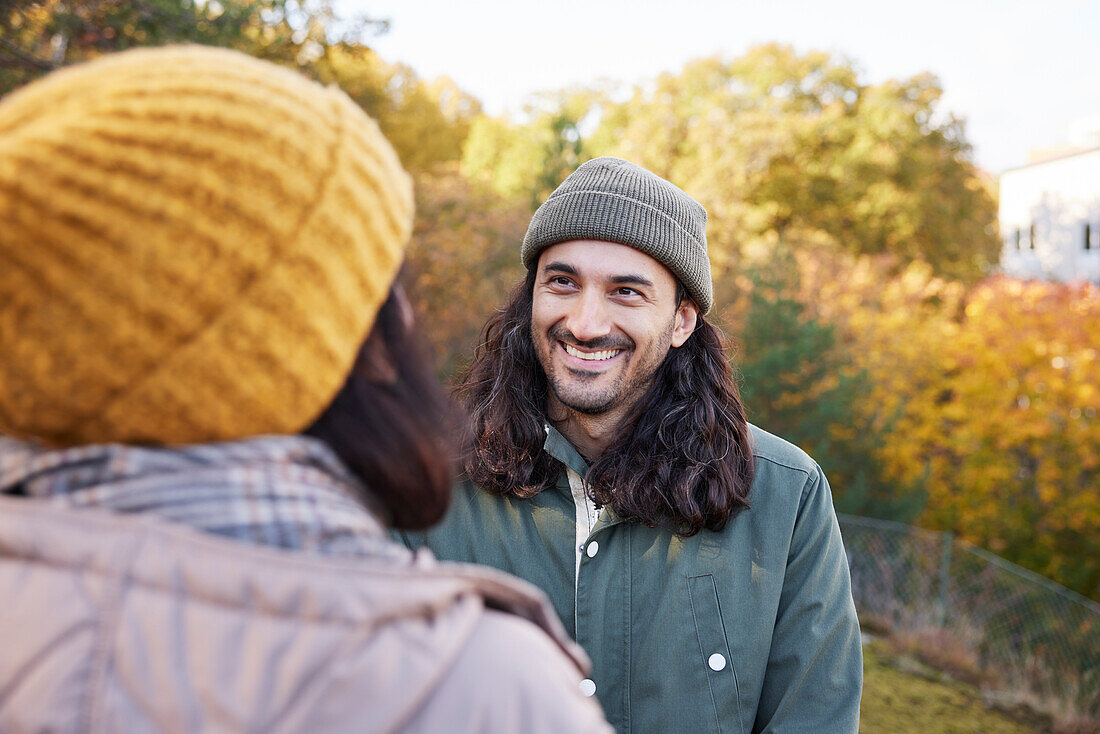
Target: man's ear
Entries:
(687, 318)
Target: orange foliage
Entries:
(991, 396)
(462, 262)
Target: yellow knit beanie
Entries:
(193, 245)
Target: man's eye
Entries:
(627, 292)
(561, 280)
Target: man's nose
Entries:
(588, 318)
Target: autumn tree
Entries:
(799, 381)
(775, 141)
(1016, 465)
(462, 261)
(988, 396)
(37, 36)
(775, 144)
(427, 122)
(529, 160)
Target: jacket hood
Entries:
(166, 602)
(98, 579)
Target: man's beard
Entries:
(625, 388)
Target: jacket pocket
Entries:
(714, 653)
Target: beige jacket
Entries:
(112, 623)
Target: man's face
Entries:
(603, 317)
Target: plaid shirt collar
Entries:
(284, 491)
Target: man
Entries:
(695, 557)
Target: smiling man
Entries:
(602, 326)
(695, 557)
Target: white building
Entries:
(1050, 218)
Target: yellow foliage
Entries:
(990, 394)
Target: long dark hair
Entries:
(683, 460)
(394, 425)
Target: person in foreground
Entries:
(695, 557)
(211, 409)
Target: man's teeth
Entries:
(592, 356)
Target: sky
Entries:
(1023, 74)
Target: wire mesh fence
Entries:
(1031, 638)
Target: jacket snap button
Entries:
(717, 661)
(588, 687)
(593, 549)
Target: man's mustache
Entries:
(610, 341)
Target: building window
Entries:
(1031, 237)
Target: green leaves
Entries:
(772, 143)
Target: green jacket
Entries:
(661, 616)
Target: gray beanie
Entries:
(614, 200)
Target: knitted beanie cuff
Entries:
(613, 200)
(596, 215)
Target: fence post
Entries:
(945, 575)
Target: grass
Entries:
(904, 696)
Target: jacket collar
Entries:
(559, 447)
